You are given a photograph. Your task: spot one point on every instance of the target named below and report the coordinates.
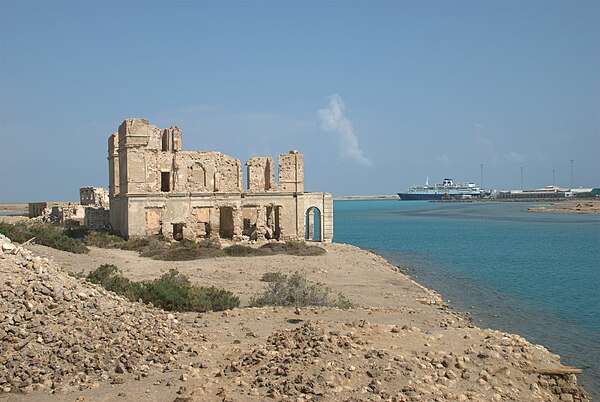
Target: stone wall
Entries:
(261, 176)
(97, 218)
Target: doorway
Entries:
(313, 224)
(226, 222)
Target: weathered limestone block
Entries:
(291, 172)
(97, 218)
(153, 219)
(261, 176)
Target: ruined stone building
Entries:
(92, 210)
(157, 188)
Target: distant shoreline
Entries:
(11, 209)
(366, 197)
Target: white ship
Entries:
(448, 189)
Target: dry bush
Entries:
(297, 291)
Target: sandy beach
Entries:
(401, 342)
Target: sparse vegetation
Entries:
(238, 250)
(104, 240)
(172, 291)
(45, 234)
(273, 277)
(76, 240)
(293, 247)
(296, 290)
(189, 250)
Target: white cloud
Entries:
(515, 157)
(490, 151)
(333, 120)
(444, 160)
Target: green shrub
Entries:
(110, 278)
(101, 274)
(273, 277)
(45, 234)
(17, 232)
(343, 302)
(169, 292)
(295, 290)
(76, 232)
(142, 244)
(104, 240)
(211, 299)
(172, 291)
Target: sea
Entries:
(536, 274)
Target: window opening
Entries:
(165, 182)
(178, 231)
(165, 141)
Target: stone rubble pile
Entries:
(58, 332)
(314, 363)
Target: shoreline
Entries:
(396, 315)
(559, 205)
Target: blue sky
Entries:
(378, 95)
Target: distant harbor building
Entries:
(544, 193)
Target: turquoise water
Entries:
(535, 274)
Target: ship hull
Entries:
(419, 197)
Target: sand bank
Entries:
(574, 207)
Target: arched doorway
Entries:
(313, 224)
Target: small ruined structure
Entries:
(92, 210)
(157, 188)
(94, 196)
(65, 213)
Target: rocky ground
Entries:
(65, 339)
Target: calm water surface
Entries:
(535, 274)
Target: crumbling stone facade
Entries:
(94, 196)
(157, 188)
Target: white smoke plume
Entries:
(333, 120)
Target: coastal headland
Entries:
(65, 339)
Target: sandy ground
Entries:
(395, 344)
(365, 278)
